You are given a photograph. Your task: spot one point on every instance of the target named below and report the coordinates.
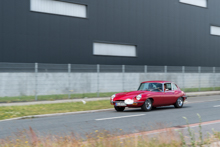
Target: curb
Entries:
(174, 128)
(56, 114)
(186, 102)
(194, 94)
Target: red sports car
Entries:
(150, 94)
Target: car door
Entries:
(158, 98)
(157, 95)
(168, 95)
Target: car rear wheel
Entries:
(179, 103)
(119, 108)
(147, 106)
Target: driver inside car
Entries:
(165, 88)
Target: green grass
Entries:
(19, 111)
(82, 95)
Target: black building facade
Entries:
(164, 32)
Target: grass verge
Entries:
(19, 111)
(53, 97)
(82, 95)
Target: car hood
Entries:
(131, 94)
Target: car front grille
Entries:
(119, 101)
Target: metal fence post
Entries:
(123, 71)
(98, 70)
(165, 71)
(69, 82)
(145, 71)
(36, 71)
(183, 72)
(199, 70)
(214, 78)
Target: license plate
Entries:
(120, 104)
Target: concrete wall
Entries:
(21, 84)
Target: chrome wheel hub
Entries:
(148, 105)
(180, 102)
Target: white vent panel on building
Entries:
(59, 8)
(200, 3)
(215, 30)
(107, 49)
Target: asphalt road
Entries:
(131, 120)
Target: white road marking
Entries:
(217, 106)
(120, 117)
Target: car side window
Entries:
(168, 86)
(174, 86)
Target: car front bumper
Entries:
(135, 104)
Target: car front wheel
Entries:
(119, 108)
(179, 103)
(147, 106)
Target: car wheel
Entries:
(147, 106)
(119, 108)
(179, 103)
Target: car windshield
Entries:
(151, 87)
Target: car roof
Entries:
(157, 82)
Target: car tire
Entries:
(119, 109)
(179, 103)
(147, 106)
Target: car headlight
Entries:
(112, 97)
(138, 97)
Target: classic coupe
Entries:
(150, 94)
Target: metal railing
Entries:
(58, 81)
